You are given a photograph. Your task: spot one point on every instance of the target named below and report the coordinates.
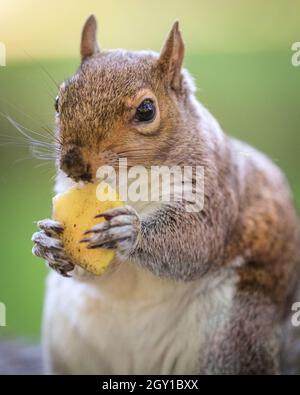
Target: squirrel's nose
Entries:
(73, 165)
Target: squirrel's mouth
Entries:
(86, 177)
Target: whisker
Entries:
(43, 69)
(39, 149)
(37, 121)
(46, 163)
(22, 159)
(40, 154)
(21, 128)
(50, 135)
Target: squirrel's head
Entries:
(121, 104)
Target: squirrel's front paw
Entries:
(48, 246)
(121, 230)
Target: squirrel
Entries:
(191, 292)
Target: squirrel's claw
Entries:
(51, 227)
(49, 247)
(120, 230)
(44, 240)
(117, 211)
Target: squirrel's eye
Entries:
(56, 104)
(146, 111)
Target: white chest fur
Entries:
(131, 322)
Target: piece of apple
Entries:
(75, 209)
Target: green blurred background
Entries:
(238, 51)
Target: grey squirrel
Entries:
(191, 293)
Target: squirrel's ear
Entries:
(171, 57)
(89, 45)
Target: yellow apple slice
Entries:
(75, 209)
